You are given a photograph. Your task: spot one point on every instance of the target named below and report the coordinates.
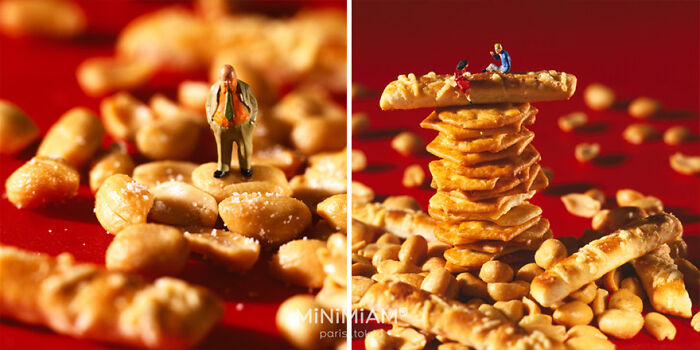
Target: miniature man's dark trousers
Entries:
(242, 134)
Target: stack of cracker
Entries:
(488, 168)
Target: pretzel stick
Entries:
(440, 90)
(86, 301)
(603, 255)
(663, 282)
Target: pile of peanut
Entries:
(609, 307)
(169, 208)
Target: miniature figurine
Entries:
(501, 55)
(231, 111)
(461, 75)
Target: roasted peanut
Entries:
(334, 210)
(233, 251)
(42, 180)
(181, 204)
(358, 160)
(639, 133)
(441, 282)
(150, 249)
(584, 330)
(633, 285)
(408, 338)
(361, 193)
(572, 121)
(360, 124)
(296, 262)
(397, 267)
(155, 173)
(659, 326)
(270, 218)
(599, 304)
(414, 249)
(121, 202)
(75, 137)
(644, 107)
(611, 220)
(47, 18)
(359, 285)
(265, 179)
(433, 263)
(543, 323)
(193, 94)
(528, 272)
(649, 204)
(598, 96)
(677, 135)
(122, 115)
(495, 271)
(621, 324)
(379, 339)
(100, 75)
(361, 232)
(437, 248)
(413, 279)
(549, 253)
(504, 291)
(114, 160)
(386, 252)
(388, 238)
(301, 330)
(305, 103)
(585, 152)
(596, 194)
(695, 322)
(474, 303)
(452, 346)
(167, 109)
(581, 205)
(587, 343)
(684, 164)
(626, 196)
(407, 143)
(492, 311)
(470, 286)
(315, 135)
(332, 295)
(363, 269)
(513, 309)
(531, 306)
(624, 299)
(585, 294)
(167, 139)
(17, 131)
(413, 176)
(402, 203)
(572, 314)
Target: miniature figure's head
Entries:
(498, 47)
(462, 64)
(229, 79)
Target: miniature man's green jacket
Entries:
(247, 98)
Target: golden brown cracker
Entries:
(469, 159)
(459, 133)
(493, 143)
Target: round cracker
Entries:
(484, 116)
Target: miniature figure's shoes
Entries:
(459, 133)
(470, 159)
(506, 167)
(536, 180)
(433, 90)
(454, 206)
(484, 116)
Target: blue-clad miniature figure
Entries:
(501, 55)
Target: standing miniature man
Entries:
(501, 55)
(461, 75)
(231, 111)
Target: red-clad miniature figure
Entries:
(461, 75)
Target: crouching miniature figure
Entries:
(231, 111)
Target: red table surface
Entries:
(638, 48)
(39, 76)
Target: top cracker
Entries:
(433, 90)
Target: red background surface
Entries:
(39, 76)
(637, 48)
